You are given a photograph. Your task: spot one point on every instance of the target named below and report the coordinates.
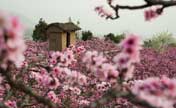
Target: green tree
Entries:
(160, 41)
(39, 33)
(119, 37)
(87, 35)
(115, 39)
(109, 36)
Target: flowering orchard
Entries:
(86, 75)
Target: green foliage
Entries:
(114, 38)
(160, 41)
(87, 35)
(110, 36)
(39, 33)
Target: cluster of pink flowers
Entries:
(129, 55)
(12, 44)
(152, 13)
(103, 86)
(61, 74)
(74, 90)
(45, 79)
(96, 44)
(62, 63)
(159, 92)
(11, 104)
(98, 64)
(62, 59)
(52, 96)
(103, 12)
(131, 46)
(155, 64)
(77, 50)
(66, 58)
(84, 102)
(75, 76)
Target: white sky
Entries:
(83, 10)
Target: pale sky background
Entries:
(83, 10)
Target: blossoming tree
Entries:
(77, 77)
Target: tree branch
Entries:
(148, 3)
